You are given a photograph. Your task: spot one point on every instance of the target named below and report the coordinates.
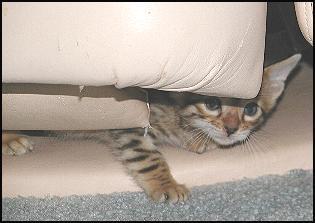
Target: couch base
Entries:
(64, 107)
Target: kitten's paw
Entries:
(198, 150)
(202, 149)
(17, 146)
(172, 193)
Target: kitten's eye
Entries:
(213, 103)
(251, 109)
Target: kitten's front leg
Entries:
(14, 144)
(150, 170)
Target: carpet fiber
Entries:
(273, 197)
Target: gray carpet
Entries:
(287, 197)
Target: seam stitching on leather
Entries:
(306, 18)
(149, 109)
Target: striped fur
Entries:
(185, 120)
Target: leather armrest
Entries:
(304, 14)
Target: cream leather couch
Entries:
(60, 48)
(74, 66)
(304, 14)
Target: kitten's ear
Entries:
(281, 70)
(274, 79)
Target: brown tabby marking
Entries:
(193, 122)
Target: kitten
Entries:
(178, 119)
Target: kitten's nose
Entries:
(230, 131)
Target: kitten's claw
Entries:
(172, 193)
(17, 146)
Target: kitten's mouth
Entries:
(228, 145)
(225, 141)
(221, 137)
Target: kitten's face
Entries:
(225, 120)
(228, 121)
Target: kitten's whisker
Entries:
(192, 137)
(263, 131)
(206, 139)
(196, 140)
(251, 149)
(186, 125)
(257, 145)
(194, 130)
(243, 143)
(199, 138)
(189, 125)
(262, 141)
(248, 148)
